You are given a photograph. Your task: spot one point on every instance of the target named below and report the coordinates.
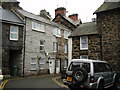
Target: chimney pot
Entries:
(74, 17)
(61, 11)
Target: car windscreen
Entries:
(75, 65)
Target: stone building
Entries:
(70, 23)
(85, 42)
(99, 40)
(108, 26)
(12, 41)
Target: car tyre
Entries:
(101, 85)
(80, 75)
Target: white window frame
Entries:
(42, 45)
(15, 33)
(42, 63)
(81, 48)
(57, 32)
(65, 63)
(55, 46)
(38, 27)
(33, 63)
(66, 34)
(66, 48)
(81, 57)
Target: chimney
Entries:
(61, 11)
(10, 5)
(74, 17)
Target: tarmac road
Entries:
(33, 82)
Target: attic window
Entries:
(83, 42)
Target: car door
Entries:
(106, 73)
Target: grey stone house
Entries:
(70, 23)
(12, 41)
(99, 40)
(40, 44)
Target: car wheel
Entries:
(116, 82)
(80, 75)
(101, 86)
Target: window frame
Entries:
(35, 63)
(43, 63)
(66, 34)
(57, 32)
(81, 48)
(66, 48)
(41, 27)
(42, 45)
(55, 46)
(65, 63)
(16, 33)
(83, 56)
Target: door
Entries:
(52, 66)
(58, 66)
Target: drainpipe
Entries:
(24, 47)
(101, 47)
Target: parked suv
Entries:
(87, 73)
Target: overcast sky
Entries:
(84, 8)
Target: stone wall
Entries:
(93, 52)
(8, 45)
(109, 27)
(32, 47)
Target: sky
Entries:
(84, 8)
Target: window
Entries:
(75, 65)
(66, 34)
(33, 64)
(83, 57)
(38, 27)
(13, 32)
(57, 32)
(66, 63)
(42, 63)
(66, 48)
(55, 46)
(84, 42)
(41, 45)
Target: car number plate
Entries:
(69, 79)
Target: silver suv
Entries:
(90, 74)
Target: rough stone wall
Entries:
(8, 45)
(62, 41)
(109, 27)
(93, 51)
(32, 46)
(61, 51)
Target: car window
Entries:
(101, 67)
(75, 65)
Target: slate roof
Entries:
(108, 6)
(69, 20)
(88, 28)
(38, 18)
(8, 1)
(9, 16)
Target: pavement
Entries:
(42, 81)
